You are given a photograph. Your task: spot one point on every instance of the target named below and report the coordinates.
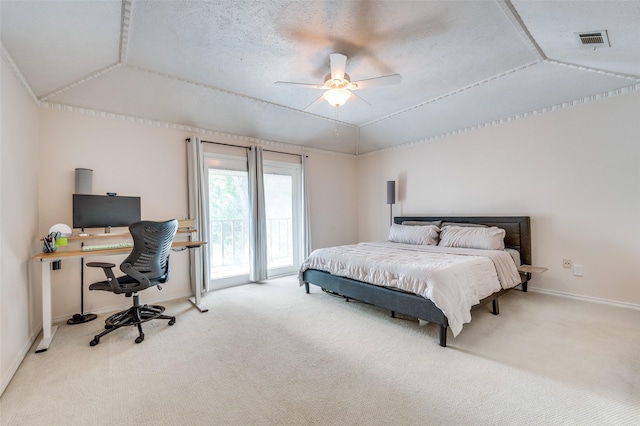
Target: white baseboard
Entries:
(16, 362)
(585, 298)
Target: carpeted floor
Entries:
(269, 354)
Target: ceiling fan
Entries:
(338, 84)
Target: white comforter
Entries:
(453, 279)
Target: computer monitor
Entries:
(103, 211)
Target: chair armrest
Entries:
(108, 271)
(167, 271)
(136, 275)
(100, 265)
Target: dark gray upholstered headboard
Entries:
(518, 229)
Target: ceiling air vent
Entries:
(594, 39)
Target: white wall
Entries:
(575, 171)
(20, 303)
(333, 199)
(149, 161)
(126, 158)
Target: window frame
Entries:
(213, 160)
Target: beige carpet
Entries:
(269, 354)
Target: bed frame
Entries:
(518, 237)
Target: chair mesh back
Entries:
(151, 245)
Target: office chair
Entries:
(146, 266)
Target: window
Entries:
(283, 205)
(229, 216)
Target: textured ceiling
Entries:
(213, 64)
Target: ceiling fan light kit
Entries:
(337, 97)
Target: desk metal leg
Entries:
(47, 330)
(198, 305)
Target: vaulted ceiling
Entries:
(213, 64)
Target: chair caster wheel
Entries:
(172, 321)
(94, 342)
(140, 338)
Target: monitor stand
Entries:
(81, 317)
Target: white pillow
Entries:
(491, 238)
(423, 235)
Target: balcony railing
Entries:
(229, 245)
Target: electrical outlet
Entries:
(566, 263)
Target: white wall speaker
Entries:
(84, 181)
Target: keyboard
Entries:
(107, 246)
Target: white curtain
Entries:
(197, 186)
(258, 222)
(306, 229)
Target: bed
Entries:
(517, 241)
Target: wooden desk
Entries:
(48, 331)
(62, 254)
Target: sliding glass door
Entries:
(229, 217)
(228, 221)
(283, 210)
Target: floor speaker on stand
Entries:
(84, 185)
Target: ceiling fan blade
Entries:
(376, 82)
(338, 65)
(307, 85)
